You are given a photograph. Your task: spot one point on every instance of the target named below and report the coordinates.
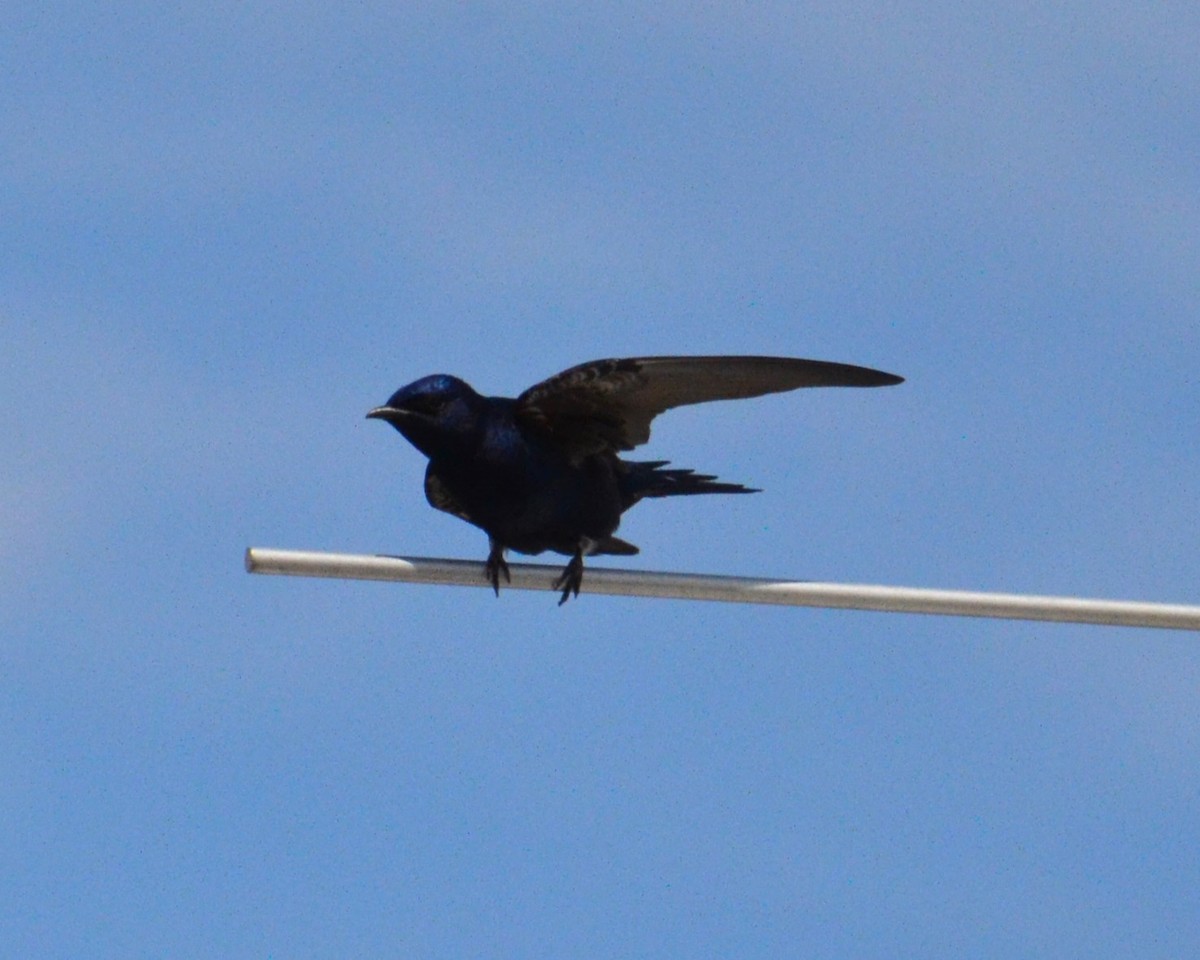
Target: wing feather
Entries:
(609, 404)
(440, 497)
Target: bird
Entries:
(543, 471)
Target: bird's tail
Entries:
(648, 479)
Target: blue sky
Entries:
(229, 231)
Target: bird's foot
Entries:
(570, 579)
(496, 565)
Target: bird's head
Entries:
(435, 414)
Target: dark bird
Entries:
(542, 472)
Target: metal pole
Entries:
(690, 586)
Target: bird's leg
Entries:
(496, 565)
(571, 578)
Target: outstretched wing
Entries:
(608, 404)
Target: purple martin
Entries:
(542, 471)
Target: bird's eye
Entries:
(428, 404)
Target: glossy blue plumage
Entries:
(541, 472)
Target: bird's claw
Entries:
(570, 579)
(496, 565)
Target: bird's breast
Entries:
(528, 499)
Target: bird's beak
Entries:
(386, 413)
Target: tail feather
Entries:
(614, 545)
(649, 479)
